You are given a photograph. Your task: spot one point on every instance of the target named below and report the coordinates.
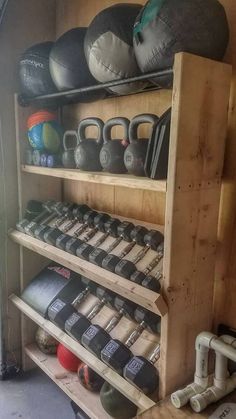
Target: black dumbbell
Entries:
(55, 235)
(126, 268)
(117, 354)
(63, 239)
(135, 236)
(77, 324)
(96, 337)
(85, 249)
(41, 229)
(59, 311)
(46, 217)
(142, 373)
(151, 282)
(98, 256)
(99, 225)
(45, 211)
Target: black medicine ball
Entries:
(68, 66)
(109, 49)
(34, 74)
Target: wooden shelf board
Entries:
(136, 293)
(127, 181)
(68, 382)
(135, 395)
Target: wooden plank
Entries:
(135, 395)
(225, 278)
(134, 292)
(68, 382)
(127, 181)
(165, 410)
(198, 132)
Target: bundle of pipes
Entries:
(204, 391)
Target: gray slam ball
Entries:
(165, 27)
(109, 49)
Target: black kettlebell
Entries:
(135, 154)
(112, 152)
(88, 149)
(68, 155)
(115, 404)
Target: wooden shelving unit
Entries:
(187, 205)
(89, 402)
(126, 181)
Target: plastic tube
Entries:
(200, 401)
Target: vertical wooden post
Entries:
(30, 187)
(198, 133)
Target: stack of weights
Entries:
(45, 138)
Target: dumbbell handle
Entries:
(96, 309)
(115, 320)
(155, 355)
(82, 295)
(153, 263)
(135, 334)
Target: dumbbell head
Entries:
(125, 268)
(142, 373)
(151, 283)
(52, 235)
(110, 261)
(62, 240)
(138, 234)
(152, 320)
(111, 226)
(147, 281)
(87, 283)
(124, 230)
(100, 220)
(116, 355)
(121, 303)
(59, 312)
(84, 250)
(40, 231)
(97, 256)
(80, 211)
(106, 295)
(89, 217)
(94, 339)
(137, 277)
(73, 245)
(76, 325)
(153, 239)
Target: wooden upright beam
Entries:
(198, 133)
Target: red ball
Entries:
(67, 359)
(89, 378)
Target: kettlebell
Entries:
(68, 155)
(112, 152)
(115, 404)
(88, 149)
(135, 154)
(36, 157)
(28, 156)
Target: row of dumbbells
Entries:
(138, 370)
(71, 227)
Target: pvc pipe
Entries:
(181, 397)
(221, 371)
(200, 401)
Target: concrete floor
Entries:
(33, 396)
